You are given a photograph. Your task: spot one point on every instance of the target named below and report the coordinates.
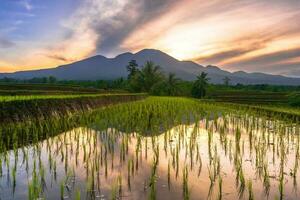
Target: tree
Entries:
(167, 86)
(102, 84)
(149, 75)
(172, 85)
(226, 81)
(119, 83)
(132, 69)
(199, 86)
(52, 79)
(159, 88)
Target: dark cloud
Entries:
(112, 36)
(269, 59)
(293, 72)
(285, 68)
(59, 57)
(243, 45)
(5, 43)
(280, 62)
(220, 56)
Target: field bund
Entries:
(23, 108)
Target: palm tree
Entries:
(150, 74)
(172, 84)
(132, 68)
(199, 86)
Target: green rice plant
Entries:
(220, 196)
(78, 195)
(186, 192)
(120, 185)
(14, 171)
(250, 190)
(124, 130)
(34, 187)
(113, 195)
(169, 175)
(62, 189)
(152, 181)
(266, 179)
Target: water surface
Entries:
(228, 158)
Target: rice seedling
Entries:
(180, 135)
(250, 190)
(220, 182)
(186, 192)
(78, 195)
(169, 176)
(62, 190)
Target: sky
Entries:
(247, 35)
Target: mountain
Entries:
(100, 67)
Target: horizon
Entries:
(250, 36)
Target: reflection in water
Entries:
(227, 158)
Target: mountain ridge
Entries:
(101, 67)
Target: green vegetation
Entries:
(271, 111)
(47, 97)
(158, 144)
(13, 89)
(74, 139)
(150, 79)
(248, 97)
(294, 100)
(200, 85)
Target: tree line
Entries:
(149, 78)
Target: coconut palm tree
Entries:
(199, 86)
(172, 84)
(132, 69)
(150, 74)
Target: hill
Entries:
(100, 67)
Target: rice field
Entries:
(157, 148)
(9, 98)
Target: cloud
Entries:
(26, 4)
(193, 29)
(5, 43)
(282, 68)
(113, 21)
(293, 72)
(237, 47)
(6, 66)
(59, 58)
(239, 35)
(220, 56)
(270, 60)
(100, 26)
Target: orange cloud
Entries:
(219, 32)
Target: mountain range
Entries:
(100, 67)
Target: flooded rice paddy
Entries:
(225, 157)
